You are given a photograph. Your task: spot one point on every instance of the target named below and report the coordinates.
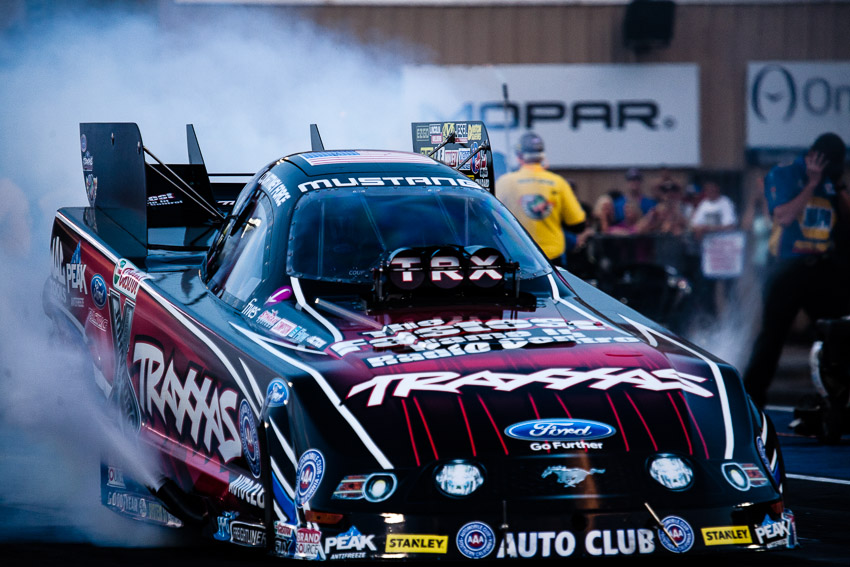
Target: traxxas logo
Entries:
(188, 396)
(660, 380)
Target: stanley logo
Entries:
(416, 543)
(726, 535)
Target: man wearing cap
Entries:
(542, 201)
(634, 190)
(809, 269)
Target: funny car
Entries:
(360, 354)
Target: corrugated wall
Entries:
(721, 38)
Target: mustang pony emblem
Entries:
(570, 477)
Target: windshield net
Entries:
(342, 234)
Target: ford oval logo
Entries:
(559, 430)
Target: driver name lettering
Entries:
(554, 379)
(205, 406)
(275, 187)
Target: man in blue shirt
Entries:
(809, 269)
(634, 194)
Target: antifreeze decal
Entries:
(661, 380)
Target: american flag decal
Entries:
(353, 156)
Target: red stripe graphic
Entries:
(685, 429)
(466, 421)
(694, 421)
(495, 427)
(645, 426)
(619, 423)
(563, 405)
(410, 430)
(427, 430)
(560, 401)
(536, 413)
(534, 407)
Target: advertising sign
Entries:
(723, 254)
(589, 116)
(789, 104)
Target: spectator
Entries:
(542, 201)
(714, 213)
(808, 204)
(670, 215)
(634, 191)
(631, 219)
(603, 213)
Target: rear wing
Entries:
(464, 146)
(143, 197)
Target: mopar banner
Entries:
(589, 116)
(790, 103)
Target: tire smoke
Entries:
(250, 83)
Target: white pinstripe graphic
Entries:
(299, 297)
(334, 399)
(290, 454)
(282, 480)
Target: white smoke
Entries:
(730, 333)
(250, 83)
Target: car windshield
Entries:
(342, 234)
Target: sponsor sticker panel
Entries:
(249, 438)
(416, 543)
(591, 115)
(790, 103)
(308, 543)
(143, 508)
(475, 540)
(350, 545)
(726, 535)
(681, 538)
(249, 535)
(311, 470)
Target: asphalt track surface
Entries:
(818, 491)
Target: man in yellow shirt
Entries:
(542, 201)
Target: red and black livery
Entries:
(360, 354)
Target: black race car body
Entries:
(367, 357)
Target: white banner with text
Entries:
(589, 116)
